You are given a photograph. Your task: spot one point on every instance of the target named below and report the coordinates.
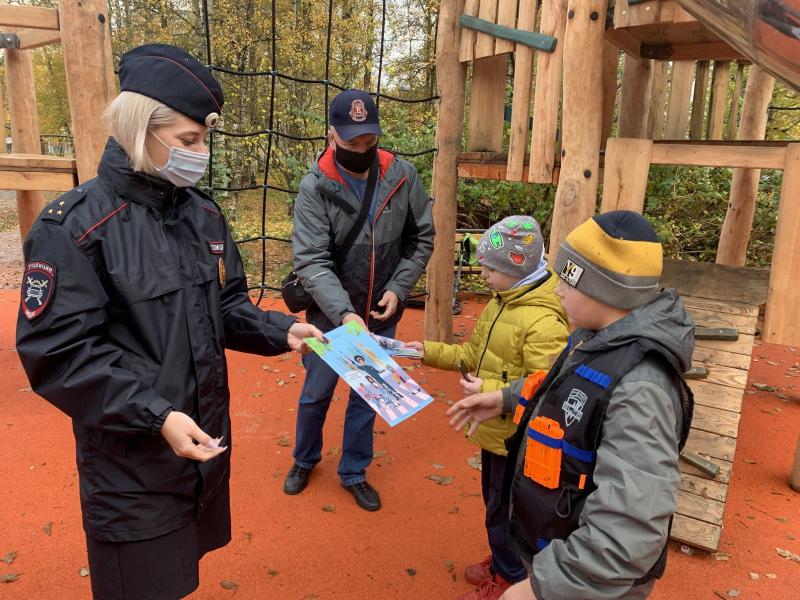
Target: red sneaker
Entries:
(490, 589)
(479, 572)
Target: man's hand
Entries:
(181, 433)
(389, 304)
(298, 331)
(519, 591)
(354, 317)
(418, 346)
(474, 410)
(473, 386)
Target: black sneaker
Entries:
(366, 496)
(296, 480)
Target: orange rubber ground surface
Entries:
(319, 545)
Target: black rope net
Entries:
(301, 146)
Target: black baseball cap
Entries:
(353, 113)
(173, 77)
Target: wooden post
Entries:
(680, 89)
(547, 94)
(24, 128)
(781, 325)
(735, 235)
(3, 149)
(635, 99)
(582, 118)
(521, 99)
(451, 79)
(658, 95)
(88, 63)
(610, 66)
(719, 97)
(733, 117)
(794, 476)
(487, 104)
(699, 101)
(625, 173)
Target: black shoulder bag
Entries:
(295, 296)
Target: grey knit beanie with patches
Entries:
(513, 246)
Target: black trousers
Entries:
(162, 568)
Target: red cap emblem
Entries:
(358, 112)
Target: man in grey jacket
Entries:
(367, 282)
(596, 478)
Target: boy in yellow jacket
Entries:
(521, 331)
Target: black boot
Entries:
(296, 480)
(366, 496)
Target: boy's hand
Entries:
(298, 331)
(473, 386)
(474, 410)
(519, 591)
(418, 346)
(388, 303)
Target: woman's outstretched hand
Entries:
(298, 331)
(189, 441)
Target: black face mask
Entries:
(357, 162)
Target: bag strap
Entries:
(366, 203)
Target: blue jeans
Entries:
(315, 398)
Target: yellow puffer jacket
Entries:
(522, 330)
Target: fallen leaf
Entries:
(721, 556)
(248, 535)
(265, 367)
(281, 382)
(256, 394)
(733, 593)
(48, 529)
(754, 576)
(437, 466)
(453, 511)
(411, 572)
(83, 572)
(271, 572)
(451, 568)
(9, 558)
(8, 577)
(25, 389)
(229, 585)
(788, 555)
(773, 363)
(770, 575)
(474, 461)
(292, 375)
(329, 508)
(283, 440)
(334, 451)
(379, 453)
(765, 387)
(750, 461)
(782, 519)
(441, 479)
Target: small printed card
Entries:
(395, 347)
(366, 366)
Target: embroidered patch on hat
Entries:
(496, 239)
(573, 406)
(571, 273)
(216, 247)
(358, 112)
(37, 288)
(517, 258)
(528, 239)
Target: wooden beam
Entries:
(36, 38)
(582, 118)
(718, 156)
(451, 80)
(695, 532)
(484, 43)
(698, 51)
(36, 162)
(626, 168)
(658, 97)
(610, 67)
(467, 47)
(487, 104)
(521, 99)
(699, 101)
(719, 98)
(781, 325)
(547, 94)
(736, 97)
(680, 90)
(36, 181)
(509, 35)
(28, 17)
(735, 234)
(507, 17)
(24, 129)
(89, 66)
(635, 99)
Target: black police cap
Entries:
(173, 77)
(353, 113)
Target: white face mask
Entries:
(184, 168)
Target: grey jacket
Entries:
(389, 254)
(624, 523)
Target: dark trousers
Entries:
(315, 399)
(505, 561)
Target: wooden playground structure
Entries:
(670, 49)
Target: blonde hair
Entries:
(130, 116)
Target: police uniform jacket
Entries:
(132, 291)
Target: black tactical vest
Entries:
(550, 484)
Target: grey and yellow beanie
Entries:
(513, 246)
(615, 257)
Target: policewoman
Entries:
(132, 291)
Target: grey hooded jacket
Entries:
(624, 523)
(389, 254)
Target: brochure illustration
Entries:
(368, 369)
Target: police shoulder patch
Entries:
(38, 287)
(58, 208)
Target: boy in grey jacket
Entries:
(596, 477)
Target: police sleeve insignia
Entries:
(38, 285)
